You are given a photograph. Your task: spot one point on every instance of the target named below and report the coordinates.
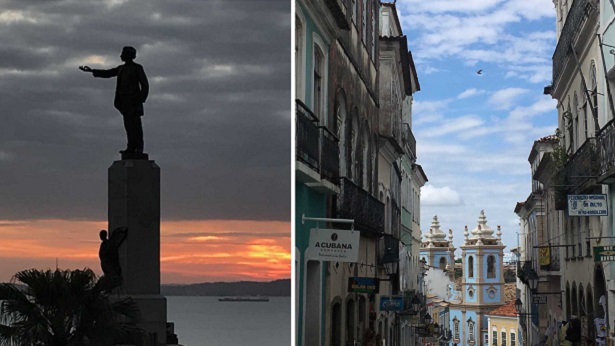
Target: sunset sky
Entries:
(217, 122)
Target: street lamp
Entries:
(533, 279)
(436, 328)
(518, 305)
(426, 318)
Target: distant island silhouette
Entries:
(277, 288)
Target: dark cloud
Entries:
(217, 121)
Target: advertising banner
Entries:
(335, 245)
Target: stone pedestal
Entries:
(134, 203)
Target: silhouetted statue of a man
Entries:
(110, 257)
(131, 92)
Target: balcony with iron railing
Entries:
(307, 137)
(523, 269)
(606, 152)
(409, 140)
(366, 210)
(388, 250)
(583, 165)
(316, 146)
(580, 170)
(579, 10)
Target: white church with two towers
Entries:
(482, 283)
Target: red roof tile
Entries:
(550, 138)
(508, 309)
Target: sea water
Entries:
(204, 321)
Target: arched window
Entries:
(299, 37)
(471, 267)
(442, 264)
(583, 111)
(503, 337)
(470, 330)
(365, 153)
(455, 328)
(341, 130)
(354, 147)
(494, 336)
(336, 324)
(491, 267)
(350, 320)
(318, 93)
(513, 339)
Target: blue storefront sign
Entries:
(391, 303)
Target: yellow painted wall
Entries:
(503, 324)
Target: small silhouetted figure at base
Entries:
(131, 92)
(110, 258)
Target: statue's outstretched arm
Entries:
(105, 73)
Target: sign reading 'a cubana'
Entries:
(335, 245)
(587, 205)
(363, 285)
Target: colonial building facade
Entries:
(354, 84)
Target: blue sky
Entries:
(474, 132)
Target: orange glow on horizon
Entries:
(191, 251)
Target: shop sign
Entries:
(604, 253)
(391, 303)
(587, 205)
(363, 285)
(335, 245)
(422, 330)
(539, 299)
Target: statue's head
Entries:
(128, 53)
(103, 235)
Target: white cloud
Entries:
(427, 70)
(424, 112)
(443, 196)
(543, 105)
(504, 99)
(428, 148)
(442, 6)
(456, 125)
(470, 92)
